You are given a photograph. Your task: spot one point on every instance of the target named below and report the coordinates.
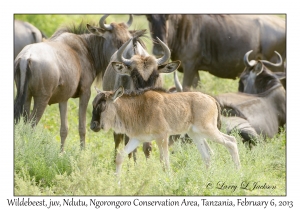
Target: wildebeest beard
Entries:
(139, 82)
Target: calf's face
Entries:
(100, 113)
(99, 105)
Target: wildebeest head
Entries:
(158, 26)
(114, 35)
(144, 70)
(113, 31)
(256, 77)
(100, 106)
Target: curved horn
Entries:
(103, 25)
(120, 52)
(246, 60)
(273, 64)
(167, 53)
(130, 21)
(177, 82)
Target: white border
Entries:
(186, 6)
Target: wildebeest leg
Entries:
(134, 151)
(118, 138)
(202, 146)
(130, 146)
(63, 109)
(147, 148)
(173, 138)
(40, 104)
(228, 141)
(196, 80)
(164, 151)
(188, 76)
(83, 103)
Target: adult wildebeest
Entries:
(133, 68)
(217, 43)
(24, 34)
(64, 67)
(156, 114)
(260, 105)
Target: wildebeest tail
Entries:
(21, 74)
(219, 123)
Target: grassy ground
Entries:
(40, 168)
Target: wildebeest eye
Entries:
(100, 107)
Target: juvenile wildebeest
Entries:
(25, 34)
(64, 67)
(217, 43)
(133, 68)
(260, 105)
(156, 114)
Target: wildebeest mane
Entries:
(130, 93)
(73, 28)
(96, 45)
(137, 35)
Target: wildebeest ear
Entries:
(258, 68)
(95, 30)
(98, 91)
(118, 93)
(169, 67)
(120, 68)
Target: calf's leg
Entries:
(202, 146)
(130, 146)
(147, 148)
(228, 141)
(164, 151)
(118, 138)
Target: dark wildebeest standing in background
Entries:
(133, 68)
(217, 43)
(25, 34)
(155, 114)
(64, 67)
(260, 105)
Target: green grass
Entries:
(40, 168)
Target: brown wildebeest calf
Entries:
(133, 68)
(155, 114)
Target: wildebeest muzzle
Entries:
(95, 126)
